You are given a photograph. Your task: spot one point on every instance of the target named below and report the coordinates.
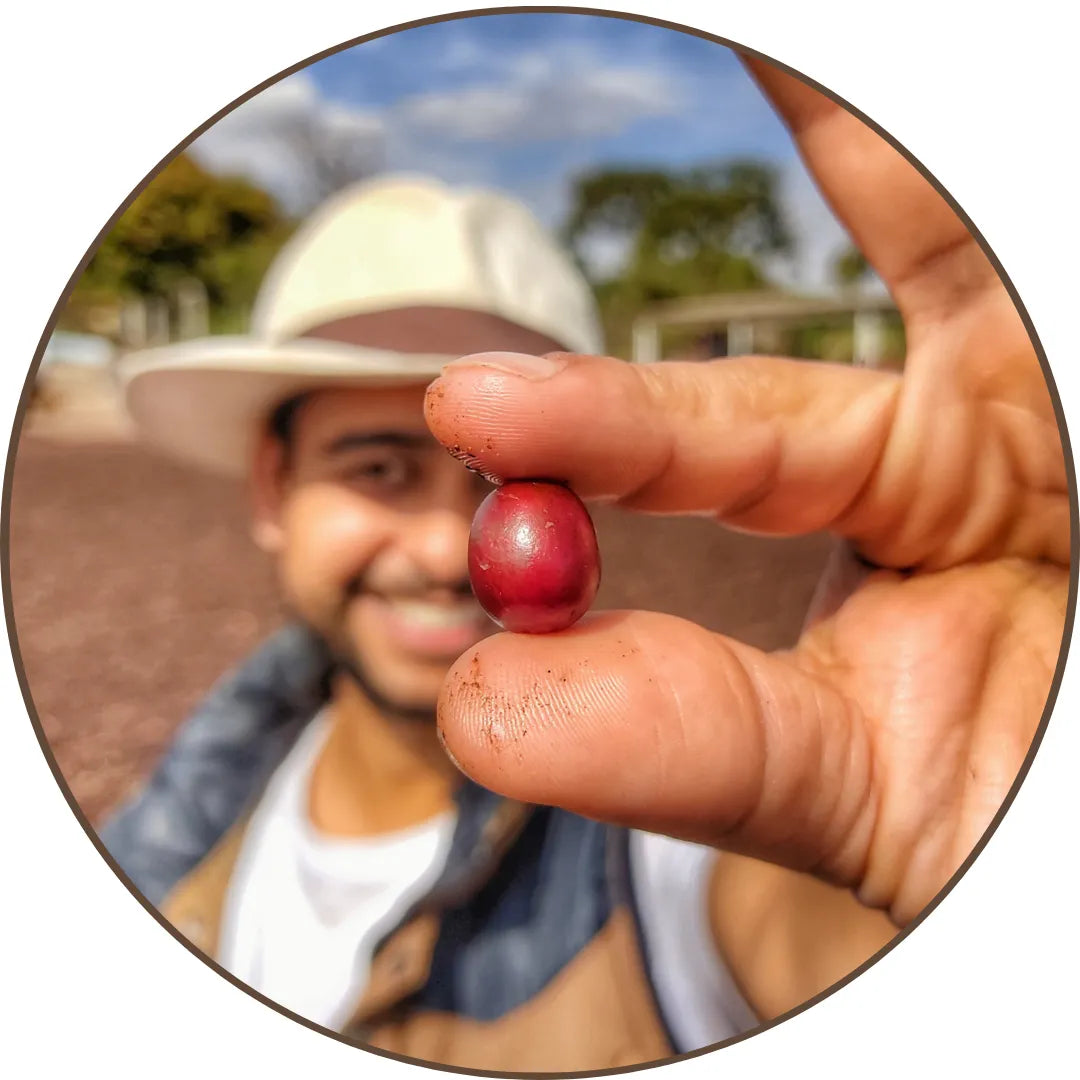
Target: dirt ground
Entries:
(135, 586)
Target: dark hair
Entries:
(283, 419)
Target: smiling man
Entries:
(306, 829)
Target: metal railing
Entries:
(738, 316)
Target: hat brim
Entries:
(204, 402)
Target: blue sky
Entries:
(523, 103)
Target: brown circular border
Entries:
(5, 532)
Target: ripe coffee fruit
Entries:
(533, 558)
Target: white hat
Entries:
(375, 288)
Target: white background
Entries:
(96, 94)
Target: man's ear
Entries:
(266, 483)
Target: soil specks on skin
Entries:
(501, 720)
(474, 672)
(496, 734)
(433, 399)
(498, 716)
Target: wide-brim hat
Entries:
(381, 286)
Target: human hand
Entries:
(876, 752)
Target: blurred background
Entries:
(648, 151)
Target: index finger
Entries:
(783, 447)
(909, 233)
(767, 444)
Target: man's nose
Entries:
(439, 543)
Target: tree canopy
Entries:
(681, 233)
(850, 267)
(188, 223)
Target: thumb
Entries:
(648, 721)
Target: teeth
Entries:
(435, 615)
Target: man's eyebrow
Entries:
(356, 440)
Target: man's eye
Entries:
(381, 472)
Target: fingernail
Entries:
(521, 364)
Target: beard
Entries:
(330, 628)
(346, 662)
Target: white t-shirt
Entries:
(304, 911)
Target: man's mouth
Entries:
(438, 630)
(425, 613)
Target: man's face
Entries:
(369, 519)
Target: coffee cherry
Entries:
(533, 558)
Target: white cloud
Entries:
(294, 96)
(469, 113)
(542, 97)
(280, 136)
(288, 136)
(352, 123)
(461, 53)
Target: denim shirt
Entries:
(218, 762)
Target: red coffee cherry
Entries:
(534, 561)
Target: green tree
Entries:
(694, 232)
(187, 223)
(850, 267)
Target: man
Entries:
(307, 830)
(353, 879)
